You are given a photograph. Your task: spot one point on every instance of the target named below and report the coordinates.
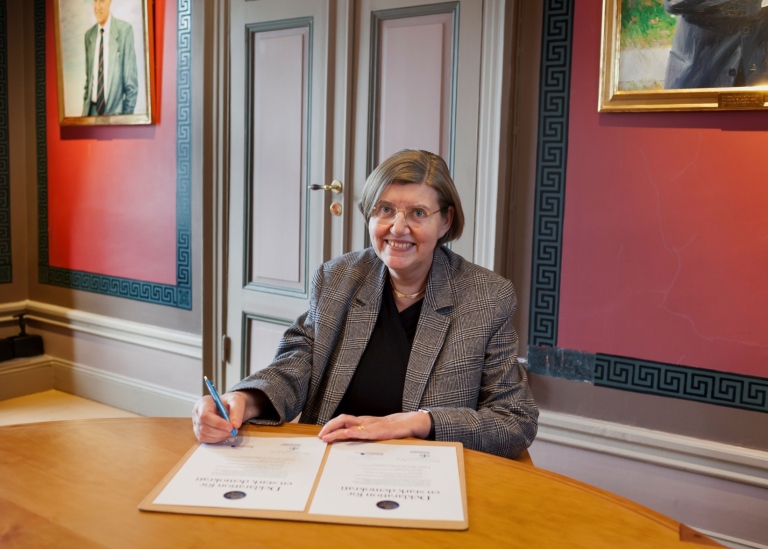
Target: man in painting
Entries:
(718, 44)
(111, 75)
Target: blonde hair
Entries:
(411, 166)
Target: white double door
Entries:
(322, 91)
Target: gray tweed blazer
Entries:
(463, 366)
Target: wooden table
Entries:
(78, 484)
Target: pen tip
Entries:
(205, 378)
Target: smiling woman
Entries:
(406, 243)
(404, 339)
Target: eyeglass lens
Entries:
(384, 211)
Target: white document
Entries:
(390, 481)
(248, 473)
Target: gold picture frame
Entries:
(128, 62)
(637, 73)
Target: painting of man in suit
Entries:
(718, 44)
(111, 74)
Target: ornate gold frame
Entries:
(612, 99)
(70, 83)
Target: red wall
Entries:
(665, 245)
(112, 189)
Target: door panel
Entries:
(417, 87)
(261, 337)
(414, 76)
(279, 71)
(278, 111)
(323, 90)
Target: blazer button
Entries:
(731, 72)
(745, 30)
(753, 68)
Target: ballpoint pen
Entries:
(219, 404)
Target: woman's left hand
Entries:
(403, 425)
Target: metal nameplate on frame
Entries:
(741, 100)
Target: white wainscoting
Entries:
(142, 368)
(718, 489)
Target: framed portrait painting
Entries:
(683, 55)
(104, 61)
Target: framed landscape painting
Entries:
(682, 55)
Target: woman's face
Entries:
(407, 249)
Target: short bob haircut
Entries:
(413, 166)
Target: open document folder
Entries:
(406, 483)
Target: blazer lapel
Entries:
(115, 75)
(90, 48)
(358, 328)
(430, 335)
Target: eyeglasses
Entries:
(415, 216)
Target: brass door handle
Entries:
(335, 187)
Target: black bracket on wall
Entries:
(22, 345)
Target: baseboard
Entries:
(20, 377)
(26, 376)
(732, 542)
(689, 454)
(712, 487)
(126, 393)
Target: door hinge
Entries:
(226, 344)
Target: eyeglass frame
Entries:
(405, 211)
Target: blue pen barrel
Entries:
(219, 404)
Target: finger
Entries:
(207, 424)
(206, 432)
(235, 405)
(212, 436)
(339, 435)
(339, 422)
(352, 432)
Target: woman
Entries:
(403, 339)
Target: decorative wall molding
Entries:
(624, 373)
(694, 481)
(180, 294)
(10, 309)
(653, 378)
(551, 161)
(667, 450)
(135, 333)
(6, 272)
(658, 378)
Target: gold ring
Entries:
(361, 427)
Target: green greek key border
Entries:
(180, 294)
(544, 358)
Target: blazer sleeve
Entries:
(130, 71)
(88, 73)
(726, 9)
(505, 420)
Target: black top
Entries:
(376, 388)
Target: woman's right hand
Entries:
(210, 427)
